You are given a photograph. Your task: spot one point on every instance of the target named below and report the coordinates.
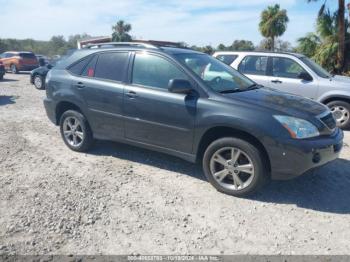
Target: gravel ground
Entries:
(119, 199)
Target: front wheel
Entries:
(234, 166)
(75, 131)
(341, 113)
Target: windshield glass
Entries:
(215, 74)
(316, 67)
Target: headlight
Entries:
(298, 128)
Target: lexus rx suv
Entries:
(296, 74)
(190, 105)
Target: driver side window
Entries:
(286, 67)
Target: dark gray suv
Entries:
(190, 105)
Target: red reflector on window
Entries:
(91, 72)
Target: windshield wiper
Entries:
(253, 86)
(230, 91)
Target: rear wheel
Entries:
(234, 166)
(75, 131)
(38, 82)
(14, 69)
(341, 113)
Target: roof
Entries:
(19, 52)
(261, 52)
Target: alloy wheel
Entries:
(38, 82)
(73, 131)
(232, 168)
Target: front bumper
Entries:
(293, 157)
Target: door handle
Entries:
(79, 85)
(131, 94)
(276, 81)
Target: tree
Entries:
(341, 25)
(221, 47)
(273, 23)
(308, 44)
(120, 32)
(242, 45)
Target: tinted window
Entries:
(90, 68)
(27, 55)
(285, 67)
(227, 59)
(253, 65)
(8, 55)
(154, 71)
(78, 67)
(111, 66)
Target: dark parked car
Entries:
(38, 75)
(190, 105)
(2, 70)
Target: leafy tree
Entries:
(120, 32)
(242, 45)
(308, 44)
(221, 47)
(341, 30)
(273, 23)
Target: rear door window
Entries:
(27, 55)
(111, 66)
(253, 65)
(227, 59)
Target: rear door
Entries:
(28, 59)
(154, 116)
(255, 67)
(99, 80)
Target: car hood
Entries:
(280, 102)
(340, 80)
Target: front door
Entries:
(285, 76)
(153, 115)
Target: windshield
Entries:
(215, 74)
(316, 67)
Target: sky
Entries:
(196, 22)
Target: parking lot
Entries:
(119, 199)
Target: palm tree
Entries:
(120, 32)
(341, 30)
(273, 23)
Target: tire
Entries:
(39, 82)
(341, 112)
(81, 134)
(13, 69)
(1, 77)
(248, 156)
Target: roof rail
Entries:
(108, 44)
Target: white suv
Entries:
(296, 74)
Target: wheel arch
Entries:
(64, 106)
(218, 132)
(336, 98)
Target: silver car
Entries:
(296, 74)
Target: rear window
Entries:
(227, 59)
(111, 66)
(79, 66)
(27, 55)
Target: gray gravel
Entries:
(123, 200)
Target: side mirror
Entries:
(179, 86)
(49, 66)
(305, 76)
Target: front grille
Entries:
(329, 121)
